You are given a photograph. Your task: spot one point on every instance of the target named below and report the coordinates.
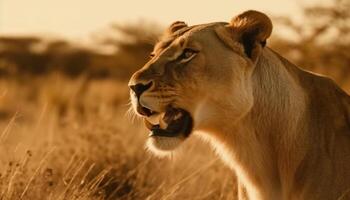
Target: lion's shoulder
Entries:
(326, 101)
(328, 104)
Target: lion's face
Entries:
(192, 79)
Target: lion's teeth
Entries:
(154, 119)
(158, 119)
(178, 116)
(162, 123)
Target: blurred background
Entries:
(64, 66)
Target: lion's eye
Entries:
(151, 55)
(187, 54)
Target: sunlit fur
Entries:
(163, 146)
(284, 131)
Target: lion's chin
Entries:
(164, 146)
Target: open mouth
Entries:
(174, 122)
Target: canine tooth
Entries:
(162, 123)
(178, 116)
(154, 119)
(150, 134)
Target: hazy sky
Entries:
(79, 18)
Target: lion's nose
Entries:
(140, 88)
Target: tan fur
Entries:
(284, 131)
(251, 21)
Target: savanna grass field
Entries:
(67, 131)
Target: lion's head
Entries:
(198, 75)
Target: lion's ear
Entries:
(251, 28)
(175, 27)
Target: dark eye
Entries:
(151, 55)
(187, 54)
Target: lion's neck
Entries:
(277, 94)
(251, 147)
(276, 118)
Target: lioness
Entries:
(285, 132)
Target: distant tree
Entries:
(322, 42)
(133, 42)
(17, 52)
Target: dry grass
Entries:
(70, 139)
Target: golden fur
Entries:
(284, 131)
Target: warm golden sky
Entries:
(79, 18)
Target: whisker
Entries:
(130, 114)
(165, 96)
(129, 103)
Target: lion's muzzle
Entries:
(167, 122)
(138, 90)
